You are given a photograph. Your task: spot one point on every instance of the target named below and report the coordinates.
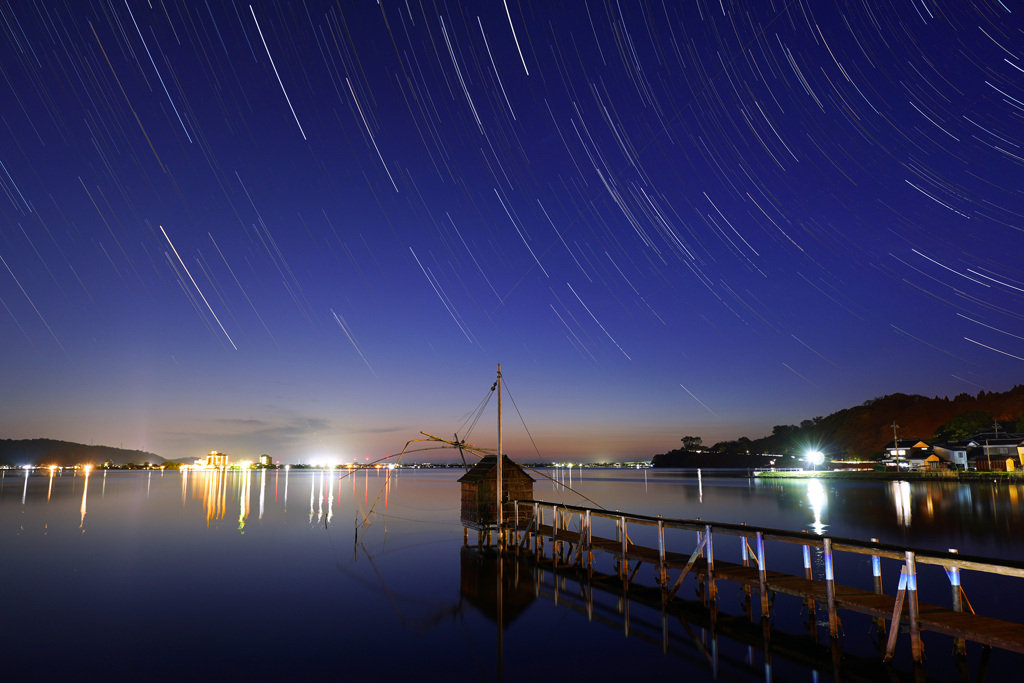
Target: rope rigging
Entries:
(464, 447)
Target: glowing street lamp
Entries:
(815, 458)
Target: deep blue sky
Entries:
(314, 229)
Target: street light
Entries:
(815, 458)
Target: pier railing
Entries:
(576, 533)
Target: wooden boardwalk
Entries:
(578, 547)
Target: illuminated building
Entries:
(215, 459)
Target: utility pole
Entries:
(895, 443)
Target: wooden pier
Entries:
(574, 535)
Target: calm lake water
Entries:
(271, 575)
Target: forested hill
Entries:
(863, 431)
(65, 453)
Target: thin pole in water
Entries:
(499, 482)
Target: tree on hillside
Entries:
(964, 426)
(692, 443)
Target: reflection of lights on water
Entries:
(263, 489)
(901, 498)
(312, 497)
(817, 498)
(243, 499)
(53, 470)
(700, 487)
(85, 494)
(184, 485)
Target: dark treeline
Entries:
(863, 431)
(17, 452)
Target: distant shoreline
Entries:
(862, 475)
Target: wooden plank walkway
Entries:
(987, 631)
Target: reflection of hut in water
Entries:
(483, 570)
(479, 488)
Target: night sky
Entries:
(313, 230)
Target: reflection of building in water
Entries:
(496, 583)
(900, 491)
(211, 487)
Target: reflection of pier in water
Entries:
(575, 551)
(685, 629)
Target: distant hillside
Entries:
(706, 460)
(65, 453)
(864, 430)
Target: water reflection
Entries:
(263, 489)
(817, 498)
(417, 550)
(899, 493)
(85, 496)
(210, 487)
(243, 499)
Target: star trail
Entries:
(660, 217)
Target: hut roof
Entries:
(485, 469)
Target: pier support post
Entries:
(830, 591)
(623, 563)
(662, 576)
(876, 574)
(959, 644)
(916, 647)
(809, 575)
(590, 554)
(712, 592)
(745, 554)
(762, 575)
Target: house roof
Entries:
(906, 443)
(997, 439)
(485, 469)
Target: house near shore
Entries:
(911, 454)
(954, 454)
(996, 452)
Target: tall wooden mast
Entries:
(498, 482)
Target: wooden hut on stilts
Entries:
(490, 489)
